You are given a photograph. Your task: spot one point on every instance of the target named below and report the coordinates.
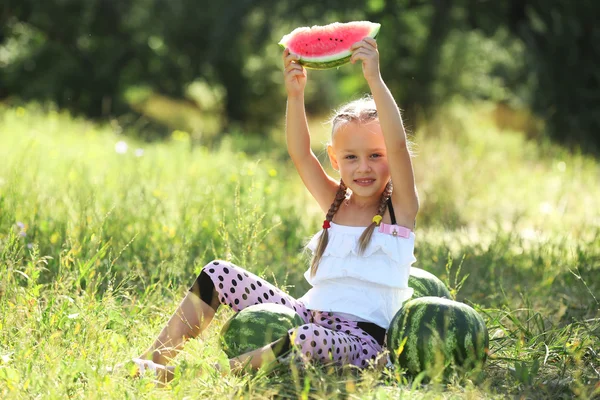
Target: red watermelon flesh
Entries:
(321, 47)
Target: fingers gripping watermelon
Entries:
(257, 326)
(322, 47)
(426, 284)
(432, 334)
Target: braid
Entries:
(324, 239)
(365, 238)
(335, 206)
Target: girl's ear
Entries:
(332, 158)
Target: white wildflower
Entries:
(121, 147)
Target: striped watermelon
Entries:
(432, 334)
(322, 47)
(426, 284)
(256, 326)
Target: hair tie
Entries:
(377, 219)
(326, 224)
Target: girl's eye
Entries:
(350, 157)
(375, 155)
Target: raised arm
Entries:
(404, 195)
(319, 184)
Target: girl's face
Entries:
(358, 152)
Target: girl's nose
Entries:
(364, 166)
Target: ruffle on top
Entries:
(385, 261)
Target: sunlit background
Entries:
(208, 68)
(141, 139)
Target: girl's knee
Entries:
(225, 274)
(216, 271)
(216, 266)
(211, 276)
(234, 286)
(204, 288)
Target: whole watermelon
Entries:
(426, 284)
(432, 334)
(256, 326)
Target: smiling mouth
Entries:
(364, 182)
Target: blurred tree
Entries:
(428, 60)
(73, 52)
(86, 55)
(562, 40)
(562, 59)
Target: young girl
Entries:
(359, 272)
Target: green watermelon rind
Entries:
(325, 65)
(331, 61)
(424, 284)
(256, 326)
(466, 348)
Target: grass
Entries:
(97, 248)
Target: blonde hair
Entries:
(324, 239)
(362, 111)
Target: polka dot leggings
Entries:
(325, 336)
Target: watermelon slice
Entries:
(322, 47)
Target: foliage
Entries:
(561, 36)
(93, 56)
(99, 240)
(560, 62)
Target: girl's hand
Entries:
(366, 51)
(294, 74)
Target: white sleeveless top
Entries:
(369, 287)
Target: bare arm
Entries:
(318, 183)
(401, 169)
(405, 192)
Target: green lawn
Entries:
(97, 247)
